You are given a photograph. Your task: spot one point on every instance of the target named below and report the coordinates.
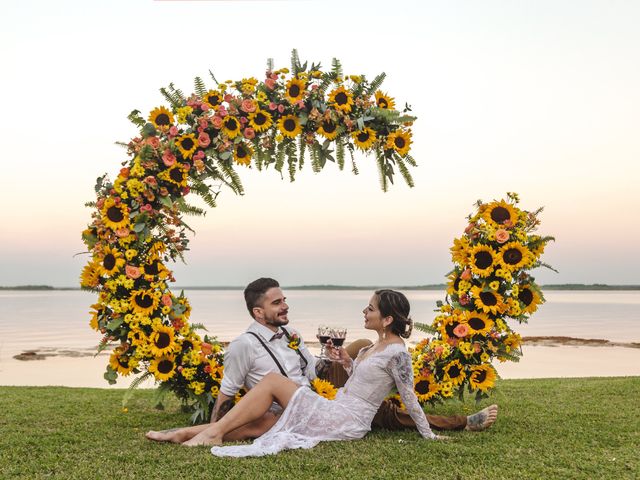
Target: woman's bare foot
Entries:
(483, 419)
(173, 435)
(207, 437)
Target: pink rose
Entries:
(150, 180)
(146, 208)
(204, 107)
(222, 111)
(270, 83)
(153, 142)
(100, 202)
(228, 97)
(477, 348)
(166, 300)
(204, 140)
(122, 232)
(203, 122)
(281, 108)
(464, 299)
(502, 235)
(461, 330)
(168, 158)
(243, 120)
(249, 133)
(248, 105)
(300, 104)
(199, 155)
(173, 130)
(132, 272)
(216, 122)
(272, 106)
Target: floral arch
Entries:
(194, 144)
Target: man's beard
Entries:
(277, 320)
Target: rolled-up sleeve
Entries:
(237, 363)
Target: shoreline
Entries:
(543, 357)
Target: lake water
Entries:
(59, 319)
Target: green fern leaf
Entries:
(135, 384)
(423, 327)
(376, 83)
(199, 87)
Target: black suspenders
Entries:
(286, 334)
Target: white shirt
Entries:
(246, 361)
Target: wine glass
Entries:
(324, 334)
(338, 336)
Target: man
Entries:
(265, 347)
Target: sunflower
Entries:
(114, 215)
(482, 377)
(487, 301)
(110, 261)
(460, 251)
(123, 364)
(478, 322)
(454, 283)
(384, 101)
(341, 99)
(400, 141)
(448, 325)
(90, 276)
(324, 388)
(143, 301)
(213, 98)
(514, 255)
(425, 387)
(242, 153)
(328, 129)
(530, 298)
(260, 120)
(155, 268)
(161, 118)
(176, 174)
(294, 90)
(454, 373)
(162, 340)
(187, 144)
(496, 213)
(289, 126)
(364, 138)
(231, 126)
(482, 260)
(163, 368)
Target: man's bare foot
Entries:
(172, 435)
(483, 419)
(207, 437)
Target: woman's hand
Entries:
(338, 354)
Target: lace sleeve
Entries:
(402, 372)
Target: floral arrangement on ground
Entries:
(193, 145)
(488, 287)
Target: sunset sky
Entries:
(541, 98)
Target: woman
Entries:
(309, 418)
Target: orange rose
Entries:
(502, 235)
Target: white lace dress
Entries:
(310, 418)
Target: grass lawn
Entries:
(550, 428)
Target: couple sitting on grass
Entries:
(280, 413)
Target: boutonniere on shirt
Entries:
(294, 341)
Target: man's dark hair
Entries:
(255, 291)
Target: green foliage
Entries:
(336, 68)
(340, 152)
(404, 171)
(174, 96)
(376, 82)
(135, 118)
(424, 327)
(296, 67)
(199, 86)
